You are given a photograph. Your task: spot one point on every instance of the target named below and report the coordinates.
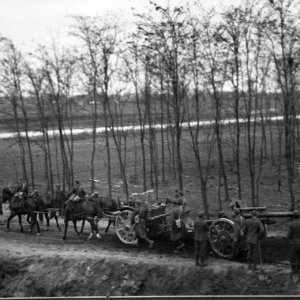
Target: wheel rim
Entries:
(124, 229)
(221, 237)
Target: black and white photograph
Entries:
(149, 149)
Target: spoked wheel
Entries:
(221, 237)
(124, 229)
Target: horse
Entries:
(107, 205)
(82, 209)
(49, 206)
(27, 206)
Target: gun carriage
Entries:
(220, 232)
(156, 217)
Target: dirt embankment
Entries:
(33, 271)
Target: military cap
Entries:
(201, 214)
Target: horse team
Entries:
(89, 208)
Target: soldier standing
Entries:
(239, 226)
(139, 221)
(254, 229)
(201, 239)
(177, 226)
(294, 253)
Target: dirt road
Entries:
(45, 265)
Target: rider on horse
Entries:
(77, 193)
(21, 193)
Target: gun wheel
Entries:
(221, 237)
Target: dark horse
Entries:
(29, 207)
(83, 209)
(49, 206)
(108, 206)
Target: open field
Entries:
(269, 196)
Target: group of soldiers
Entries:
(249, 232)
(251, 229)
(177, 222)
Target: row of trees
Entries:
(178, 64)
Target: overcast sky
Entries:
(28, 22)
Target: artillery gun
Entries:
(221, 230)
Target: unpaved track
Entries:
(45, 263)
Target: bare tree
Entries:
(283, 34)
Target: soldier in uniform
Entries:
(21, 187)
(254, 229)
(177, 226)
(239, 226)
(21, 193)
(75, 195)
(201, 239)
(294, 253)
(139, 221)
(78, 190)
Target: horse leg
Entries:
(20, 222)
(35, 221)
(56, 220)
(28, 219)
(9, 219)
(66, 228)
(41, 218)
(108, 225)
(82, 226)
(75, 226)
(94, 229)
(47, 220)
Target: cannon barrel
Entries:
(275, 214)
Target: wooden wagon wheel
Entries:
(221, 237)
(124, 229)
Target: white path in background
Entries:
(7, 135)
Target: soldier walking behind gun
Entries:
(239, 226)
(294, 252)
(254, 229)
(201, 240)
(139, 221)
